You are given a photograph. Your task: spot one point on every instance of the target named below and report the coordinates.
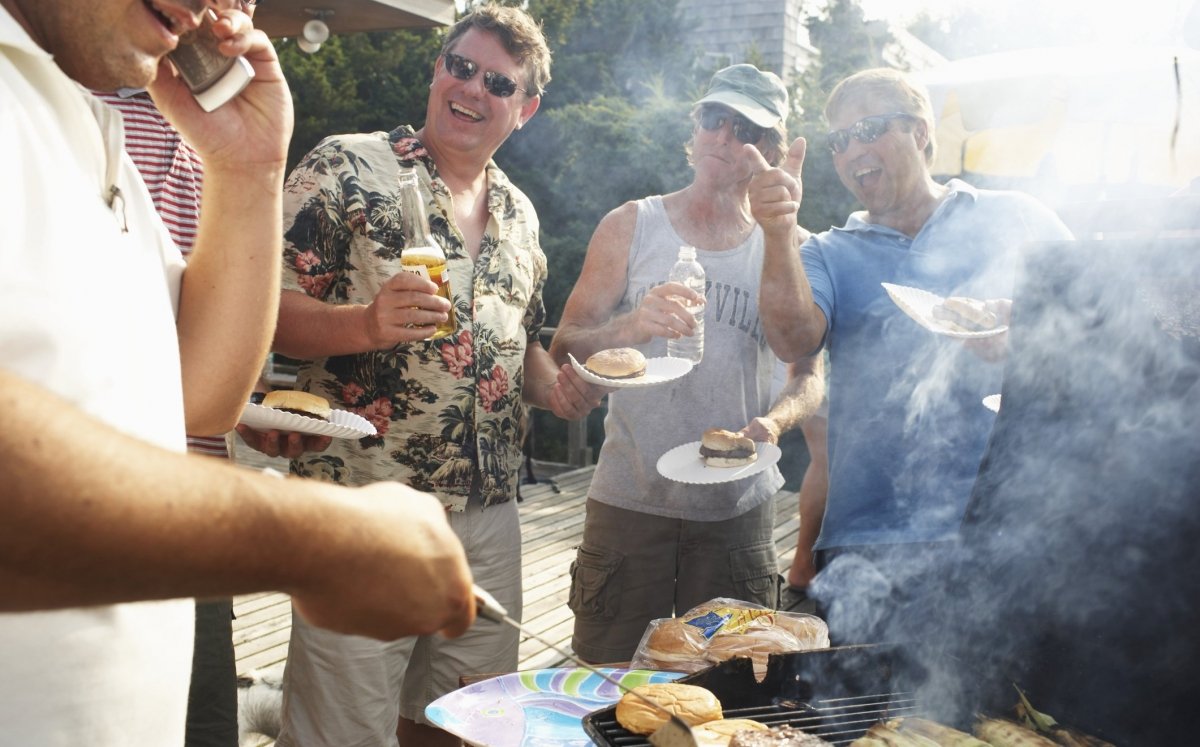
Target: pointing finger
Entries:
(754, 159)
(794, 161)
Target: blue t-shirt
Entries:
(907, 426)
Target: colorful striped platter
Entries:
(537, 707)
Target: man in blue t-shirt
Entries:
(906, 425)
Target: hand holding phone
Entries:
(212, 77)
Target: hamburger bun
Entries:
(617, 363)
(810, 630)
(965, 314)
(718, 733)
(756, 643)
(298, 403)
(674, 641)
(693, 705)
(722, 448)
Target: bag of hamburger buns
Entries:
(722, 629)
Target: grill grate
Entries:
(836, 720)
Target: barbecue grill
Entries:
(1085, 519)
(835, 693)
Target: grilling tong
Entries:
(674, 733)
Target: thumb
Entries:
(794, 161)
(754, 159)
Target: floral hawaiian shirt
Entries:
(442, 408)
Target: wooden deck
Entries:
(551, 526)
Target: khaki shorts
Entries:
(349, 691)
(633, 568)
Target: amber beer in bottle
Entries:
(421, 254)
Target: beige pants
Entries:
(349, 691)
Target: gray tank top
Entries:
(730, 386)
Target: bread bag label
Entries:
(726, 620)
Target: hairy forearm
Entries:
(310, 329)
(582, 340)
(230, 295)
(801, 396)
(792, 322)
(91, 516)
(540, 373)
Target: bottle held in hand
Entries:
(688, 271)
(421, 254)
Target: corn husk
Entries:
(940, 734)
(890, 734)
(1000, 732)
(1045, 724)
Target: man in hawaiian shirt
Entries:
(449, 412)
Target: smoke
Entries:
(1081, 529)
(1077, 573)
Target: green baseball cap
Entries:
(757, 95)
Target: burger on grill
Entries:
(617, 363)
(691, 703)
(965, 314)
(722, 448)
(299, 403)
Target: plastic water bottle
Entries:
(689, 272)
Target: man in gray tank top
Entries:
(654, 547)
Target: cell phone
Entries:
(212, 77)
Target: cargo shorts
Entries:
(632, 568)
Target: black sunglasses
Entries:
(496, 84)
(713, 118)
(865, 130)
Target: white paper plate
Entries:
(658, 371)
(918, 304)
(341, 424)
(683, 464)
(992, 402)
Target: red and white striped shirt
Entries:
(174, 174)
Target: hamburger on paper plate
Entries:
(617, 363)
(722, 448)
(298, 403)
(965, 314)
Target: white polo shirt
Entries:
(87, 311)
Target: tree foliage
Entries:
(358, 83)
(847, 44)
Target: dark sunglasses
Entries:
(712, 118)
(494, 83)
(865, 130)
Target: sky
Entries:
(1117, 21)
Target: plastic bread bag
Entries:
(723, 628)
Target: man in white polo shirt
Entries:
(104, 522)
